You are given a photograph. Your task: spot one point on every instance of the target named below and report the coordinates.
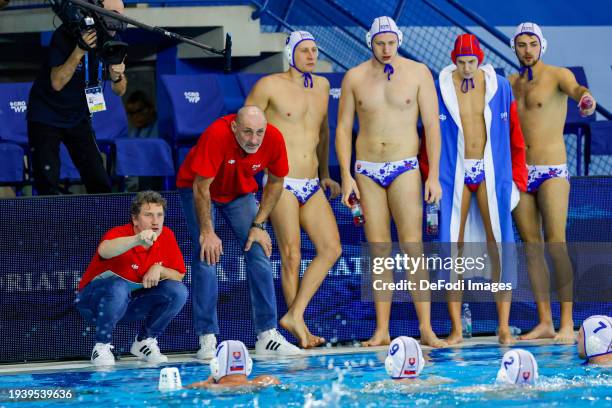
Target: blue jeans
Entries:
(107, 302)
(238, 214)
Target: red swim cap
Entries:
(467, 44)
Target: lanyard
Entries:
(87, 70)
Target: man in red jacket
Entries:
(135, 274)
(483, 170)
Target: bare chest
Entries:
(299, 104)
(373, 95)
(471, 103)
(536, 94)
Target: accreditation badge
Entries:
(95, 99)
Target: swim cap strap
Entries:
(307, 79)
(389, 71)
(529, 72)
(466, 83)
(308, 82)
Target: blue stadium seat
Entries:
(247, 81)
(144, 157)
(112, 123)
(68, 170)
(601, 137)
(11, 165)
(196, 101)
(13, 109)
(576, 124)
(233, 97)
(182, 154)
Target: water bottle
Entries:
(169, 379)
(585, 104)
(431, 216)
(466, 321)
(358, 218)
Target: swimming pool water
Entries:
(461, 377)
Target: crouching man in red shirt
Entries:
(135, 274)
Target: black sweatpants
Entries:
(81, 144)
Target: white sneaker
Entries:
(148, 350)
(272, 343)
(102, 355)
(208, 347)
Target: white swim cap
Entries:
(293, 40)
(533, 29)
(232, 357)
(405, 358)
(518, 366)
(597, 336)
(381, 25)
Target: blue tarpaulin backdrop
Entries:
(47, 242)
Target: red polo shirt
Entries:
(135, 263)
(219, 155)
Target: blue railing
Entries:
(346, 13)
(482, 42)
(263, 10)
(342, 24)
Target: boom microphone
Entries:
(227, 54)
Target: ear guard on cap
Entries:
(381, 25)
(404, 359)
(232, 357)
(529, 28)
(518, 367)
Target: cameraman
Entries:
(59, 111)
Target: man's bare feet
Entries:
(566, 335)
(505, 337)
(297, 328)
(541, 331)
(455, 337)
(429, 338)
(314, 341)
(379, 338)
